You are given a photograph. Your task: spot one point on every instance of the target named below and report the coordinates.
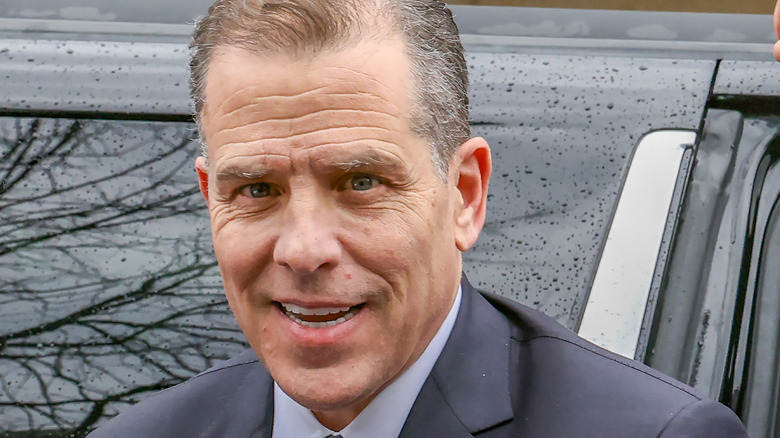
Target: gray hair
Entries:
(307, 27)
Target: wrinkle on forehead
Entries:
(358, 97)
(337, 125)
(315, 81)
(234, 123)
(293, 119)
(303, 140)
(361, 69)
(322, 100)
(372, 141)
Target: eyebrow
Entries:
(234, 173)
(370, 159)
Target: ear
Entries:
(470, 168)
(203, 176)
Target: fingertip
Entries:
(777, 51)
(777, 22)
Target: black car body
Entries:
(634, 198)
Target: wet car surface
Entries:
(109, 289)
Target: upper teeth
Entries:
(317, 311)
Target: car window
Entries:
(762, 386)
(753, 378)
(108, 287)
(622, 296)
(703, 332)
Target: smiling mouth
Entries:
(320, 317)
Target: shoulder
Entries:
(557, 374)
(194, 407)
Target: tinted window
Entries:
(108, 286)
(754, 390)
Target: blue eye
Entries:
(363, 183)
(258, 190)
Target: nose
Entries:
(307, 240)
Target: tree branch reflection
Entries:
(108, 287)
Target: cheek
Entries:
(392, 248)
(242, 258)
(242, 252)
(404, 239)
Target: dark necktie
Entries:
(333, 436)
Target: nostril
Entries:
(305, 253)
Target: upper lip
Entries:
(313, 311)
(318, 304)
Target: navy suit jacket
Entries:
(506, 371)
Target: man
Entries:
(343, 185)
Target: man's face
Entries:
(335, 238)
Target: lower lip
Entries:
(320, 336)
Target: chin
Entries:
(325, 397)
(327, 389)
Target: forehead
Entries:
(371, 71)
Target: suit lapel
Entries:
(266, 418)
(247, 410)
(468, 389)
(265, 428)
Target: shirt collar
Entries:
(385, 416)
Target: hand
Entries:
(777, 30)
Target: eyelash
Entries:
(343, 185)
(247, 188)
(350, 180)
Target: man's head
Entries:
(305, 28)
(337, 234)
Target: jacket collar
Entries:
(468, 389)
(256, 389)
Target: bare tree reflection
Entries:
(108, 289)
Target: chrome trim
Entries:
(689, 50)
(93, 76)
(621, 44)
(97, 27)
(619, 295)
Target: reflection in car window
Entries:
(763, 386)
(108, 287)
(756, 391)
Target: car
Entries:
(634, 199)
